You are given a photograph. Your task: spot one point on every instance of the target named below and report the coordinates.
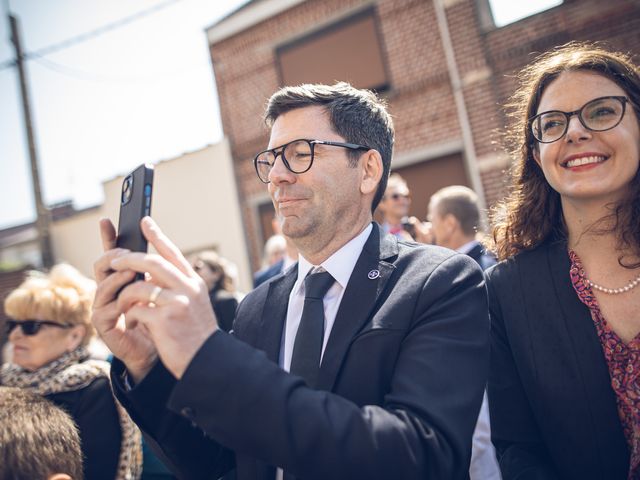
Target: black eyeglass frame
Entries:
(32, 327)
(312, 144)
(568, 115)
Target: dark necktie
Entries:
(307, 348)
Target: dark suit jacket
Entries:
(400, 383)
(480, 255)
(553, 411)
(265, 274)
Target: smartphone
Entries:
(135, 203)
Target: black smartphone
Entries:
(135, 203)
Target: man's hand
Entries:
(173, 307)
(130, 343)
(424, 231)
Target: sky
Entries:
(143, 91)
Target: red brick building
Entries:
(443, 66)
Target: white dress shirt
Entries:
(340, 265)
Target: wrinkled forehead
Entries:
(312, 123)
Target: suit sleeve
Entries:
(521, 451)
(422, 431)
(181, 445)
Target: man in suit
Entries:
(455, 222)
(378, 375)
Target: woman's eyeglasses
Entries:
(31, 327)
(598, 115)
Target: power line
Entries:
(70, 42)
(79, 74)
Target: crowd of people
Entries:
(412, 349)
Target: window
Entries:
(510, 11)
(349, 51)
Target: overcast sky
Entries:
(143, 91)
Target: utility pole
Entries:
(43, 220)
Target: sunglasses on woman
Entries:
(31, 327)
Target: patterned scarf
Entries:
(75, 371)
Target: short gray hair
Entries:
(462, 203)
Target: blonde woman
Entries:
(49, 329)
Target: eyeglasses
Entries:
(598, 115)
(297, 156)
(32, 327)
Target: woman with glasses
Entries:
(48, 330)
(564, 387)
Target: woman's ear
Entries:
(75, 337)
(535, 152)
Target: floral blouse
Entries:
(623, 362)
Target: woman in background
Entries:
(214, 270)
(48, 331)
(565, 301)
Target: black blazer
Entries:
(553, 411)
(94, 411)
(400, 384)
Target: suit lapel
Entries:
(368, 279)
(274, 314)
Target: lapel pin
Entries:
(373, 274)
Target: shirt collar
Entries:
(341, 264)
(467, 247)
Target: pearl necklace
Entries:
(615, 291)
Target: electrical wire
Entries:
(84, 37)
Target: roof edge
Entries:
(247, 17)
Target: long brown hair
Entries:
(532, 214)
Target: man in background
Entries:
(455, 221)
(280, 254)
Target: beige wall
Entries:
(195, 202)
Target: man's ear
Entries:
(451, 223)
(371, 172)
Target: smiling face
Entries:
(330, 200)
(585, 165)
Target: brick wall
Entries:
(420, 98)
